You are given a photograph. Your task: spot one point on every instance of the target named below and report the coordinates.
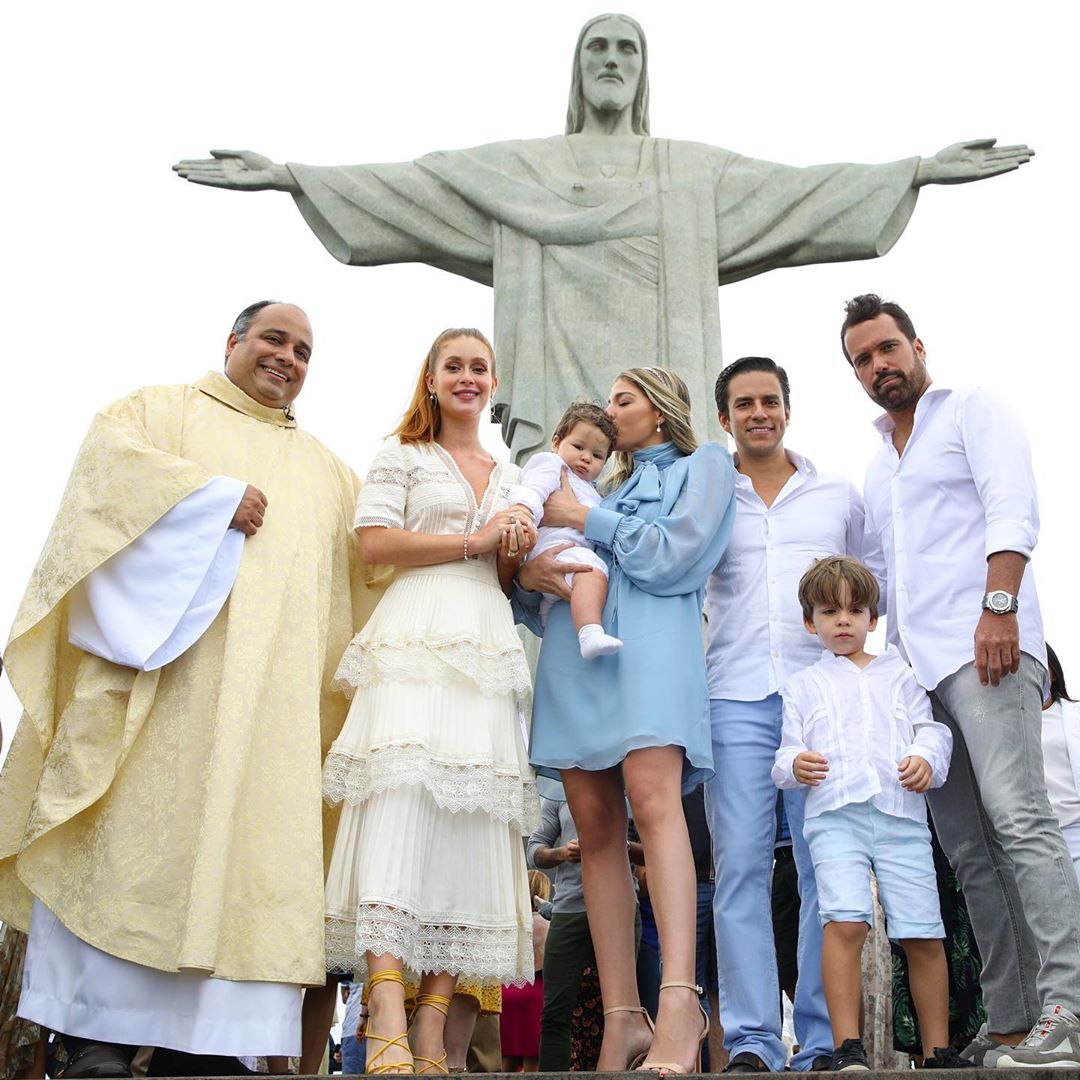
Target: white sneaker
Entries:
(1054, 1043)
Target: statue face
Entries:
(610, 65)
(270, 362)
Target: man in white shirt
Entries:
(788, 515)
(950, 498)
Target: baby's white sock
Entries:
(594, 642)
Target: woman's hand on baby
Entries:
(510, 532)
(810, 768)
(915, 774)
(562, 509)
(543, 574)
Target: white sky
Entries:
(118, 274)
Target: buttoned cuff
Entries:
(601, 525)
(1018, 536)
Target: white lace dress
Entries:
(428, 863)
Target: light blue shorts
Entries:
(845, 844)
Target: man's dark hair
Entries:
(586, 412)
(247, 316)
(869, 306)
(750, 363)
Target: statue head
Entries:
(620, 88)
(267, 352)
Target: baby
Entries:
(582, 443)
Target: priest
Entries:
(162, 832)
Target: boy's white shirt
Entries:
(540, 476)
(864, 722)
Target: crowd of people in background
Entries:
(281, 732)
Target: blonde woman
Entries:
(638, 720)
(428, 869)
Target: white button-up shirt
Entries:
(756, 638)
(864, 722)
(962, 490)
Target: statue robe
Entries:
(174, 817)
(595, 275)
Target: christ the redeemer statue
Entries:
(605, 246)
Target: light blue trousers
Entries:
(741, 805)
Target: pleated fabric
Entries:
(431, 767)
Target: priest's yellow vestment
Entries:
(174, 817)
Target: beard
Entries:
(903, 391)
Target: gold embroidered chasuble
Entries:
(174, 817)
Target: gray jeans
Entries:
(994, 822)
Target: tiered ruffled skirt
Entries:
(431, 765)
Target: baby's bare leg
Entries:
(587, 597)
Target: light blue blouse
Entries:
(662, 532)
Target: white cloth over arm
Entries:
(154, 599)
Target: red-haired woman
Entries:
(428, 870)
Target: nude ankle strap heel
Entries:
(663, 1067)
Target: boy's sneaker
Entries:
(1054, 1043)
(982, 1050)
(947, 1057)
(850, 1056)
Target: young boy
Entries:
(582, 444)
(858, 731)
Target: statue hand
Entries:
(966, 161)
(239, 170)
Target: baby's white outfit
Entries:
(541, 475)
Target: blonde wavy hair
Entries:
(667, 393)
(422, 421)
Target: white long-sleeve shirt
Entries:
(962, 490)
(540, 476)
(756, 637)
(864, 722)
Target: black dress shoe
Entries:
(96, 1060)
(746, 1063)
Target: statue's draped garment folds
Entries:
(174, 817)
(602, 269)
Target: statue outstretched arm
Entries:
(238, 170)
(966, 161)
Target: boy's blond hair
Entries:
(823, 584)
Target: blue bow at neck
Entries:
(644, 483)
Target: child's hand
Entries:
(810, 768)
(915, 774)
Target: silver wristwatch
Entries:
(1000, 602)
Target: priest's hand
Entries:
(249, 514)
(966, 161)
(238, 170)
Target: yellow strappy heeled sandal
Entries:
(637, 1059)
(663, 1067)
(439, 1004)
(403, 1068)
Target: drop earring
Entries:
(658, 423)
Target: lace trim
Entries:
(496, 955)
(507, 797)
(407, 478)
(497, 671)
